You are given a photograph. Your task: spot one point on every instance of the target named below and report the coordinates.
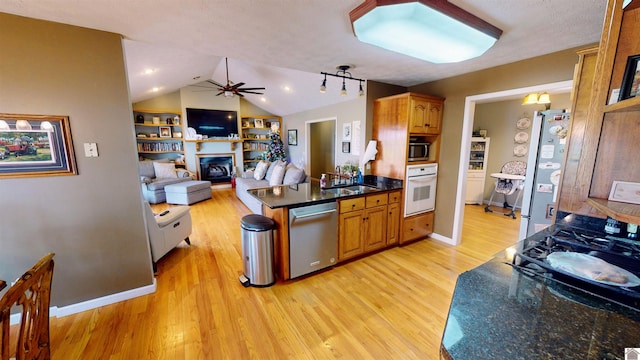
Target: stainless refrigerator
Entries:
(544, 164)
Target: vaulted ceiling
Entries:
(283, 45)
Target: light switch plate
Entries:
(90, 150)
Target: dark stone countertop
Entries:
(310, 193)
(498, 312)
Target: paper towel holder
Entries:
(369, 153)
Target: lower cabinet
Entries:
(417, 227)
(393, 217)
(365, 224)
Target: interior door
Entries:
(321, 157)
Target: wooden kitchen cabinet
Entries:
(393, 217)
(362, 225)
(602, 148)
(396, 118)
(351, 234)
(417, 227)
(425, 115)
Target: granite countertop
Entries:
(310, 193)
(498, 312)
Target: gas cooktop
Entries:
(618, 253)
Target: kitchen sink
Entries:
(352, 190)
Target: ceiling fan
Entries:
(230, 90)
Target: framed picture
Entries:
(293, 137)
(259, 123)
(631, 78)
(346, 132)
(35, 145)
(346, 146)
(165, 131)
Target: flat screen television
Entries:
(213, 123)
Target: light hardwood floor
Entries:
(391, 305)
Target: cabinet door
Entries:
(475, 188)
(375, 233)
(393, 223)
(434, 118)
(350, 242)
(418, 116)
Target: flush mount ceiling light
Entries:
(432, 30)
(344, 75)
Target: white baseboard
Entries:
(55, 311)
(444, 239)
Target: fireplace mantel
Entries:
(199, 142)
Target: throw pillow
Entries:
(165, 170)
(277, 175)
(294, 175)
(272, 166)
(145, 168)
(261, 170)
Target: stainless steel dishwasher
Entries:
(313, 238)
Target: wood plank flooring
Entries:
(392, 304)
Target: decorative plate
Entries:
(521, 137)
(523, 123)
(555, 177)
(520, 150)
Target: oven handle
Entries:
(422, 178)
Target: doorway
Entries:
(321, 146)
(467, 130)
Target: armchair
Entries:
(167, 229)
(155, 175)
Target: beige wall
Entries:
(93, 221)
(541, 70)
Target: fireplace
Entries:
(216, 168)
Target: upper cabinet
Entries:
(398, 118)
(605, 146)
(425, 115)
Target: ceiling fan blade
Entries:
(220, 93)
(239, 94)
(254, 88)
(251, 92)
(215, 83)
(235, 86)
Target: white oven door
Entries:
(420, 194)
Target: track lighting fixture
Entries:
(323, 87)
(344, 75)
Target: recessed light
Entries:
(149, 71)
(155, 89)
(263, 99)
(286, 88)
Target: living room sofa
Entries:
(265, 175)
(156, 174)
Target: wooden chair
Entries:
(32, 293)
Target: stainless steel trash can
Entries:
(257, 250)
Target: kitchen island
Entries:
(499, 311)
(278, 200)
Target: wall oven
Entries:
(420, 185)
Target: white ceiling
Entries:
(287, 43)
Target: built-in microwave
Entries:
(418, 151)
